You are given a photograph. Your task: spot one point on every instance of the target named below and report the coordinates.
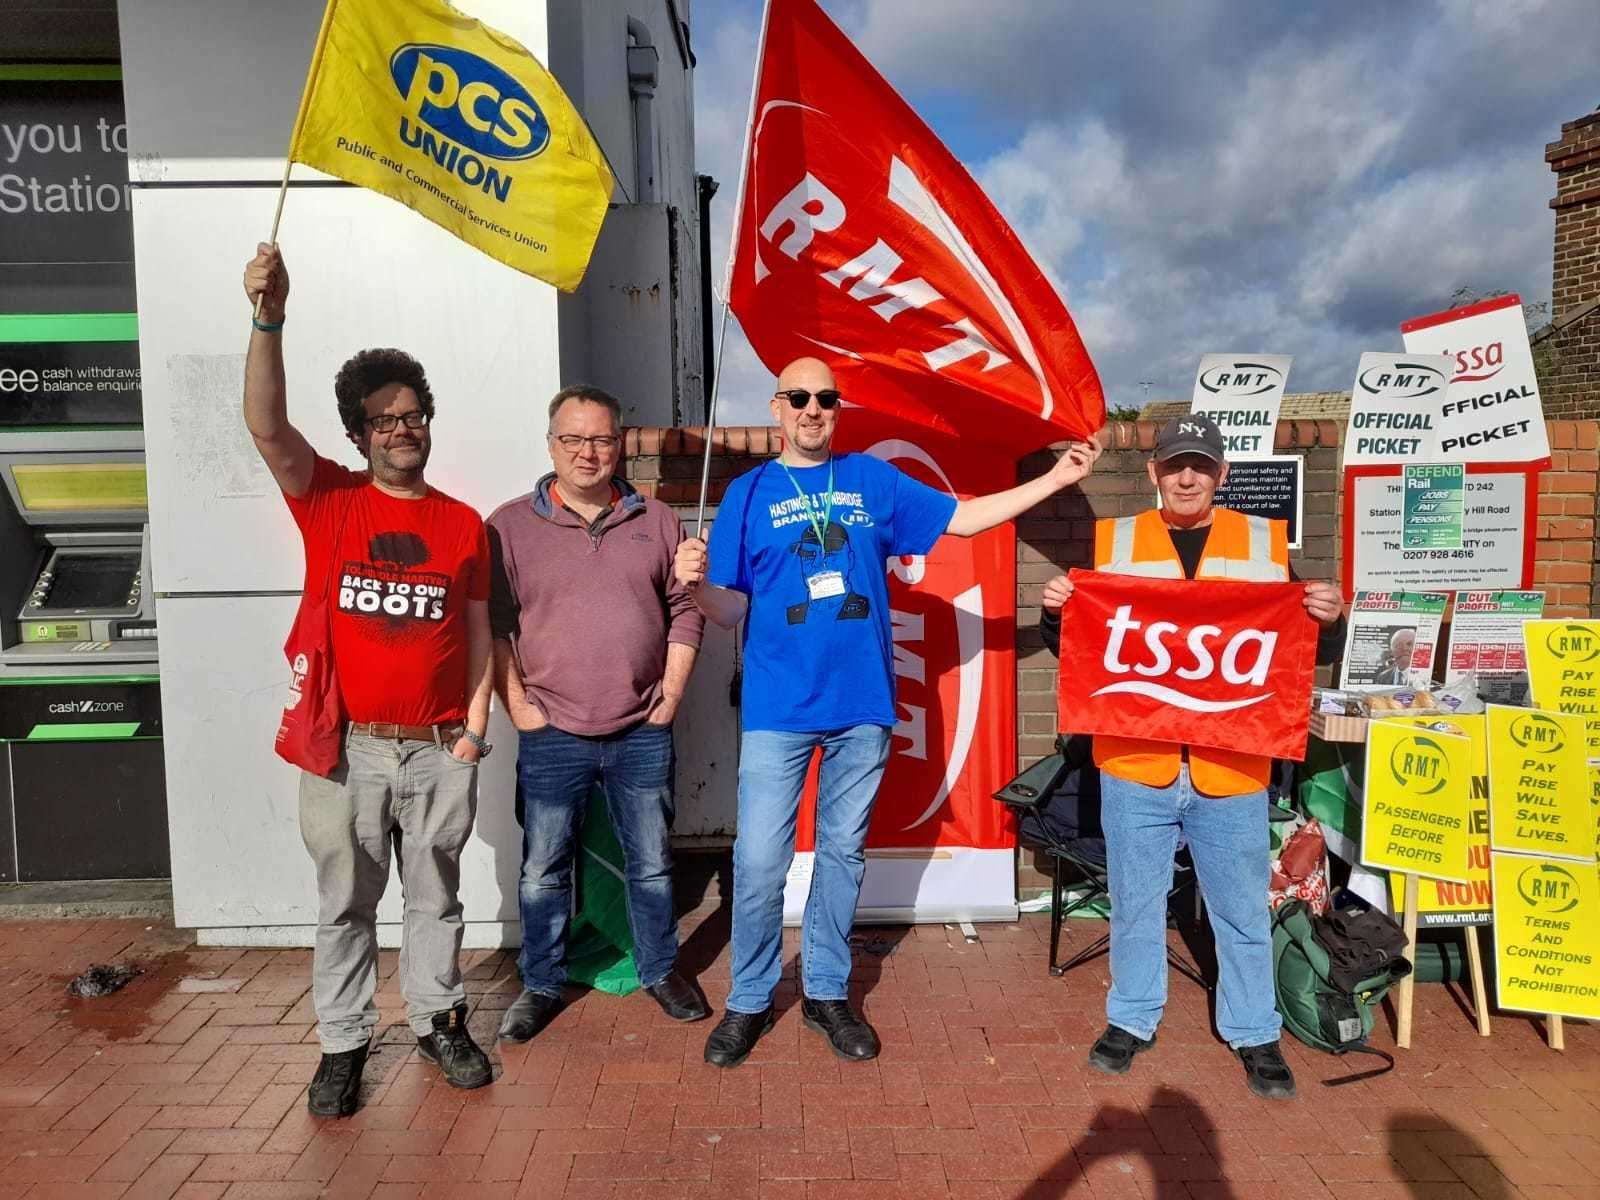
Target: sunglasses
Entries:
(798, 398)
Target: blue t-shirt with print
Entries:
(818, 654)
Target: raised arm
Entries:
(282, 447)
(985, 512)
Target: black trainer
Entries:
(679, 998)
(336, 1084)
(736, 1035)
(528, 1014)
(1114, 1052)
(1266, 1072)
(847, 1032)
(452, 1047)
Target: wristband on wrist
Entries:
(266, 326)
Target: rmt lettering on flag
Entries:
(860, 239)
(1163, 658)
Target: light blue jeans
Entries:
(1227, 838)
(772, 773)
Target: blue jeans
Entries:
(1227, 838)
(555, 772)
(772, 773)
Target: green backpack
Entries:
(1316, 1010)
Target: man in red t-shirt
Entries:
(406, 572)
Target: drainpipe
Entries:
(643, 75)
(708, 355)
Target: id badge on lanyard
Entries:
(820, 585)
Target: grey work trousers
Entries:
(421, 799)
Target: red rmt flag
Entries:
(860, 239)
(1207, 663)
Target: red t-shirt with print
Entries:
(404, 572)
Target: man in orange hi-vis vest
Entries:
(1158, 795)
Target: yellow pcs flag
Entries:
(458, 121)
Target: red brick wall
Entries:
(1060, 533)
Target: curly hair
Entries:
(366, 372)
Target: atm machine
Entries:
(82, 784)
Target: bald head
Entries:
(810, 373)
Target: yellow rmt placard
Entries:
(1416, 800)
(1444, 903)
(1539, 784)
(1547, 935)
(458, 121)
(1564, 670)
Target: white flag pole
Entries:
(727, 277)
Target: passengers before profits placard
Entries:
(1156, 794)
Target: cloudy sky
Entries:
(1216, 175)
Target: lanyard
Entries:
(811, 512)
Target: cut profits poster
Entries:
(1391, 638)
(1243, 394)
(1486, 641)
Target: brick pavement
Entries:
(190, 1083)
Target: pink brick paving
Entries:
(190, 1084)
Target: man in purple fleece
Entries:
(594, 642)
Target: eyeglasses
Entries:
(387, 421)
(798, 398)
(599, 443)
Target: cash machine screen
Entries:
(86, 581)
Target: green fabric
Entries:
(599, 942)
(1323, 792)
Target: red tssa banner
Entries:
(1222, 664)
(863, 241)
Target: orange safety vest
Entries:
(1240, 547)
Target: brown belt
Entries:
(439, 735)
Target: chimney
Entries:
(1571, 349)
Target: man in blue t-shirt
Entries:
(798, 554)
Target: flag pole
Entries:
(299, 121)
(727, 278)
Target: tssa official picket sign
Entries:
(1564, 671)
(1547, 935)
(1491, 411)
(1538, 784)
(1167, 659)
(1463, 899)
(1415, 801)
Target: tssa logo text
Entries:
(1478, 363)
(1246, 661)
(70, 707)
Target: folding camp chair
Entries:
(1057, 802)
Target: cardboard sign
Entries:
(1498, 523)
(1443, 904)
(1492, 411)
(1395, 407)
(1242, 393)
(1200, 662)
(1547, 935)
(1415, 802)
(1431, 517)
(1564, 670)
(1538, 784)
(1273, 487)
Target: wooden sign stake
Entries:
(1408, 984)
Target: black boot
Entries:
(528, 1014)
(1266, 1073)
(1114, 1052)
(452, 1047)
(336, 1084)
(679, 998)
(736, 1035)
(849, 1035)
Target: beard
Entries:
(398, 464)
